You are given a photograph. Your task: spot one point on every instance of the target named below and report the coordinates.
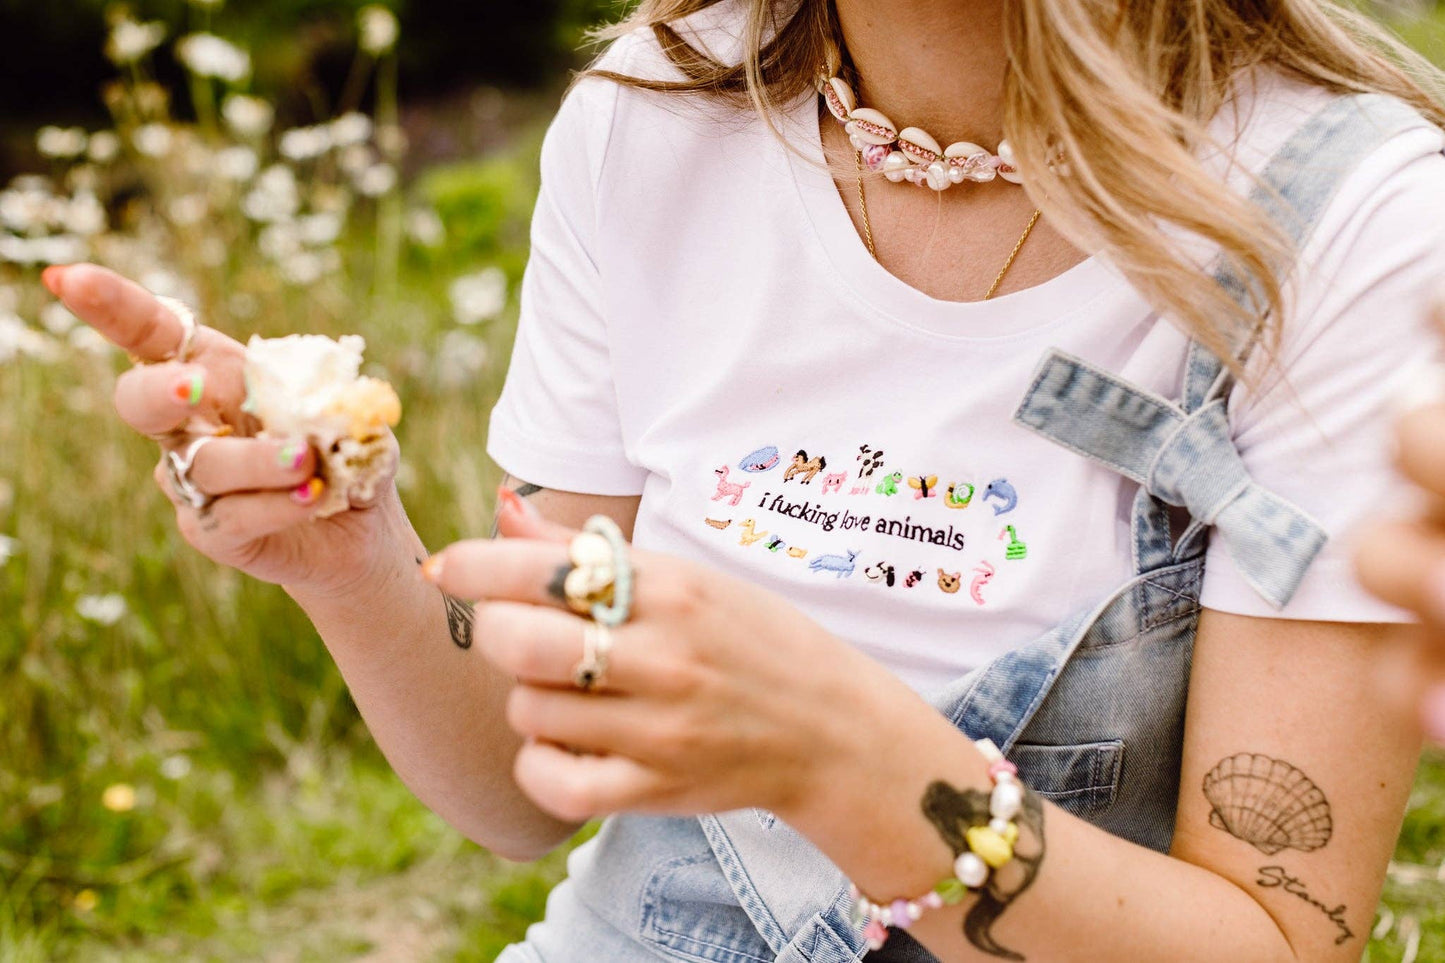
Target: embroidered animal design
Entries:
(950, 582)
(750, 533)
(840, 565)
(914, 577)
(797, 552)
(889, 484)
(882, 572)
(1001, 490)
(862, 489)
(776, 545)
(869, 461)
(805, 466)
(729, 490)
(924, 486)
(764, 459)
(982, 576)
(834, 483)
(959, 495)
(1016, 549)
(719, 525)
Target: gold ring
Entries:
(591, 579)
(590, 673)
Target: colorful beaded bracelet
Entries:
(990, 847)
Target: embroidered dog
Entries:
(805, 466)
(834, 483)
(950, 582)
(840, 565)
(727, 489)
(882, 572)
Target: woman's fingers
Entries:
(240, 519)
(588, 722)
(224, 466)
(542, 646)
(1421, 446)
(510, 570)
(1404, 564)
(156, 399)
(127, 314)
(576, 788)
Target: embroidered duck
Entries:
(1000, 489)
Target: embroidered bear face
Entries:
(950, 582)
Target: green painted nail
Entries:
(290, 457)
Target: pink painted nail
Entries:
(292, 456)
(308, 492)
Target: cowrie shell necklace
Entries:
(912, 154)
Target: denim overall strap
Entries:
(1159, 443)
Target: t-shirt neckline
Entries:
(1006, 316)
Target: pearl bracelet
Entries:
(990, 847)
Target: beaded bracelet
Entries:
(990, 847)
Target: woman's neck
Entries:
(934, 64)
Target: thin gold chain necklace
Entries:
(873, 251)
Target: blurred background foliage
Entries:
(182, 773)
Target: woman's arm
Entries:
(1295, 692)
(434, 705)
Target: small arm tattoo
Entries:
(953, 812)
(1267, 803)
(460, 616)
(522, 490)
(1276, 877)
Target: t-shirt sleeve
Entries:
(557, 422)
(1318, 427)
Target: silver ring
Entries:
(178, 470)
(187, 318)
(591, 672)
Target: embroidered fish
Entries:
(840, 565)
(1016, 549)
(1000, 489)
(914, 577)
(764, 459)
(959, 495)
(949, 581)
(924, 486)
(889, 484)
(882, 572)
(719, 525)
(983, 575)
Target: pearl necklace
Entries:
(912, 154)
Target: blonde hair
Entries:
(1125, 89)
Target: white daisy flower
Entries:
(379, 29)
(479, 297)
(130, 41)
(208, 55)
(248, 116)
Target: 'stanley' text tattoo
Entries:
(953, 812)
(1271, 877)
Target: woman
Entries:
(881, 513)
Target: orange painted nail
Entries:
(431, 569)
(190, 389)
(50, 277)
(308, 492)
(509, 500)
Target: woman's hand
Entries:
(263, 490)
(719, 694)
(1404, 562)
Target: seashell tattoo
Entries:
(1267, 803)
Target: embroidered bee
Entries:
(924, 486)
(914, 577)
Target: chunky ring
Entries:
(187, 318)
(615, 609)
(178, 470)
(591, 672)
(590, 579)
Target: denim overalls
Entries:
(1092, 713)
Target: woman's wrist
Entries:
(392, 552)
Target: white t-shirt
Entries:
(702, 326)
